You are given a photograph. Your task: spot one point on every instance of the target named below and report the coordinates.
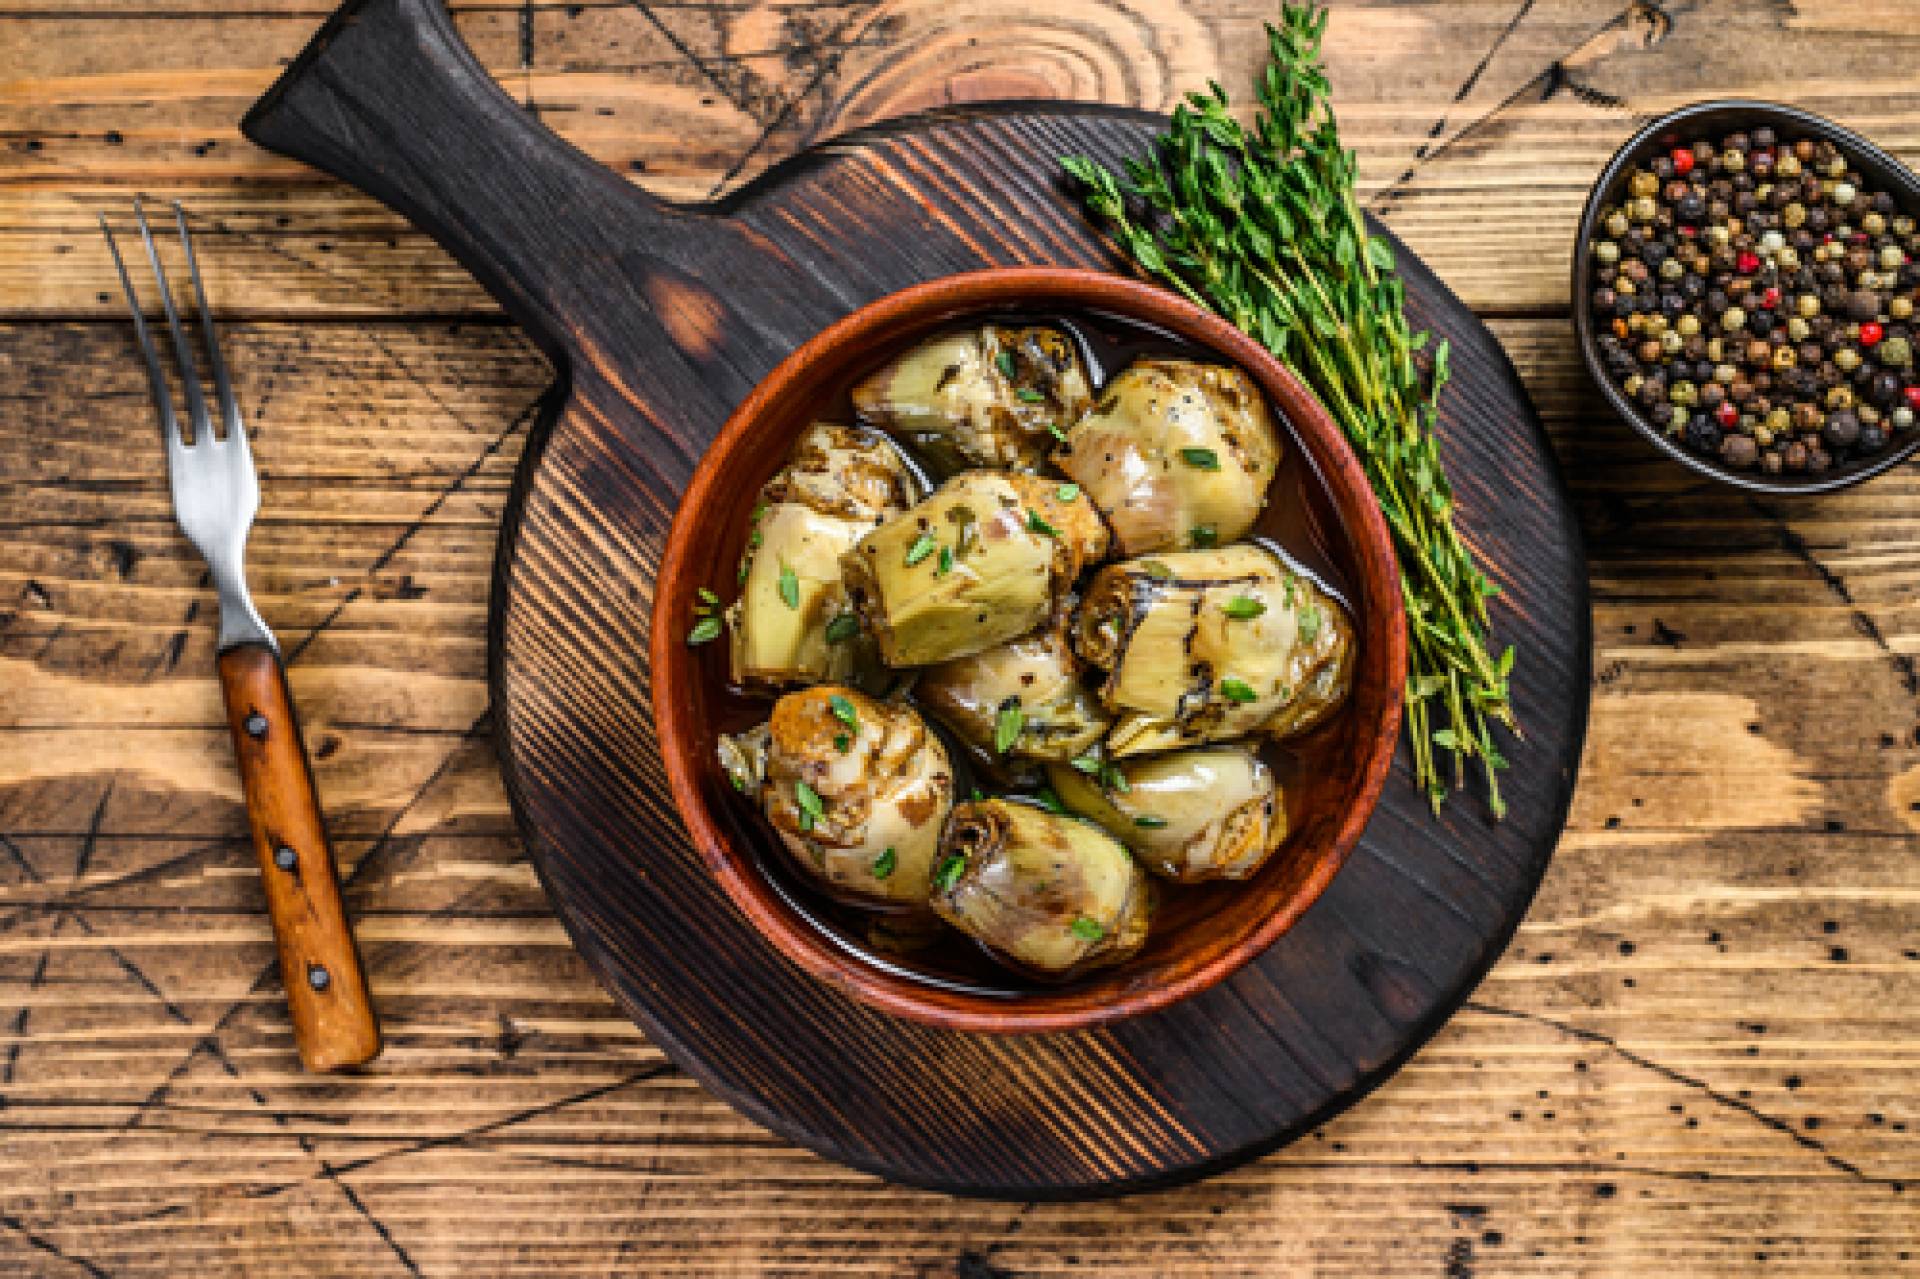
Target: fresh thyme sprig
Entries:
(1262, 225)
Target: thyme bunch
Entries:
(1261, 224)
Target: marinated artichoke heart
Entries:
(1176, 454)
(839, 483)
(1048, 895)
(1193, 815)
(1200, 646)
(857, 789)
(977, 564)
(1023, 699)
(981, 397)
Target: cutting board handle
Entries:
(388, 97)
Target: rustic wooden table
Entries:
(1700, 1053)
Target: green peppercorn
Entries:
(1732, 161)
(1670, 343)
(1843, 192)
(1684, 394)
(1779, 421)
(1895, 353)
(1797, 330)
(1902, 418)
(1873, 224)
(1788, 259)
(1606, 252)
(1687, 325)
(1642, 208)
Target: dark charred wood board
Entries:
(659, 320)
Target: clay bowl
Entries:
(1205, 933)
(1714, 120)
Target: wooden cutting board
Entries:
(659, 320)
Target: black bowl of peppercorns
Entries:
(1746, 285)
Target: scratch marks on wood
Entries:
(1719, 1097)
(1648, 21)
(41, 1244)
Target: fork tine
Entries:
(156, 378)
(223, 388)
(189, 371)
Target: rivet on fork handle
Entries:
(333, 1022)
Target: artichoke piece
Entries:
(980, 562)
(1047, 895)
(1021, 700)
(1194, 815)
(857, 790)
(838, 484)
(981, 397)
(1176, 454)
(1200, 646)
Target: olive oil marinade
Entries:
(1032, 631)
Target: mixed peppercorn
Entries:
(1756, 302)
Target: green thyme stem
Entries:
(1262, 224)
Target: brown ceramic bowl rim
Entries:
(1383, 625)
(1874, 163)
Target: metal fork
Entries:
(215, 497)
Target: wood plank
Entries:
(1451, 107)
(1714, 991)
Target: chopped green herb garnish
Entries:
(1156, 570)
(811, 809)
(883, 864)
(1089, 764)
(789, 586)
(745, 564)
(1309, 624)
(842, 743)
(1007, 723)
(1205, 459)
(1039, 525)
(1147, 821)
(1204, 535)
(1004, 361)
(922, 547)
(759, 509)
(949, 872)
(944, 565)
(1029, 395)
(705, 629)
(1243, 606)
(1237, 690)
(1053, 429)
(976, 797)
(757, 540)
(1114, 780)
(708, 598)
(843, 711)
(842, 628)
(1050, 801)
(1088, 929)
(1067, 492)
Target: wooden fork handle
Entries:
(333, 1023)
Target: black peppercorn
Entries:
(1842, 430)
(1873, 437)
(1703, 433)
